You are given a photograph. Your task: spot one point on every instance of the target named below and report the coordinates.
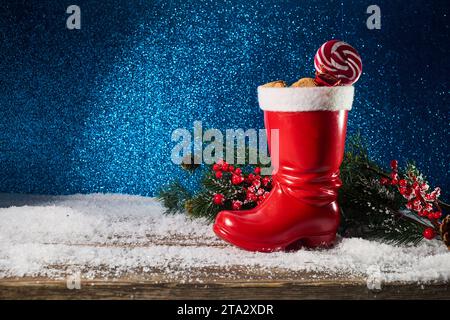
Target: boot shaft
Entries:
(308, 142)
(311, 126)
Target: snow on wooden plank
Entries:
(117, 242)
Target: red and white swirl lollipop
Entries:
(340, 60)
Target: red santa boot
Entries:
(302, 207)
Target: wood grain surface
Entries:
(37, 288)
(214, 284)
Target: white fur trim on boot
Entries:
(293, 99)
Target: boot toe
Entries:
(225, 223)
(225, 219)
(229, 227)
(233, 227)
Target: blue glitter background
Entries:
(92, 110)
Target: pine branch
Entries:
(370, 210)
(174, 198)
(223, 186)
(401, 231)
(201, 205)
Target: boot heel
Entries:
(320, 241)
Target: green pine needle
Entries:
(174, 197)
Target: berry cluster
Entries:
(244, 190)
(417, 193)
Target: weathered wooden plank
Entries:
(42, 288)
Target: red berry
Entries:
(409, 205)
(265, 181)
(236, 205)
(437, 215)
(251, 177)
(257, 170)
(235, 179)
(225, 166)
(422, 213)
(231, 168)
(251, 197)
(219, 174)
(430, 215)
(262, 197)
(256, 183)
(429, 233)
(238, 171)
(384, 181)
(394, 164)
(402, 183)
(417, 205)
(218, 199)
(406, 192)
(217, 167)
